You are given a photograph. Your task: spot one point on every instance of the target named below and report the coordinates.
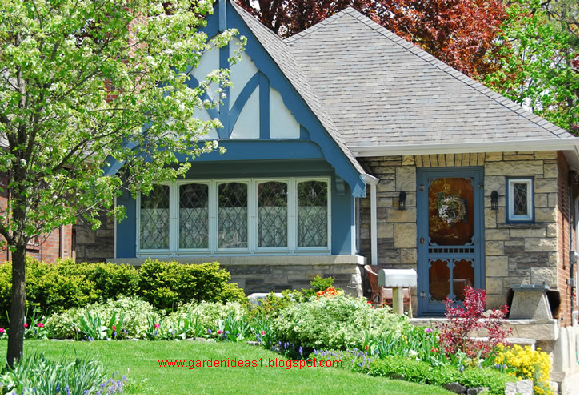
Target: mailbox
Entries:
(393, 278)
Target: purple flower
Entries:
(428, 330)
(208, 330)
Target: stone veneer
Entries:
(95, 245)
(515, 253)
(278, 273)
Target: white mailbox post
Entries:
(397, 279)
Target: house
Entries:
(59, 244)
(347, 145)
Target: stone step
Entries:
(514, 340)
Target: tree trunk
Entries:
(18, 307)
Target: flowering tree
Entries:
(78, 81)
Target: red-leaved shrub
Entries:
(457, 333)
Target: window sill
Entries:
(522, 225)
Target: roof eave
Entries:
(567, 144)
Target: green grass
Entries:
(146, 377)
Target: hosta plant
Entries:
(337, 322)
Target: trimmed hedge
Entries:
(53, 288)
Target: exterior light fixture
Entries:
(402, 201)
(494, 200)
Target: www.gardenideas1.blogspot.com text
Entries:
(248, 363)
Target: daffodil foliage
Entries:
(85, 85)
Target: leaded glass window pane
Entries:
(154, 226)
(194, 216)
(232, 215)
(520, 199)
(312, 214)
(272, 213)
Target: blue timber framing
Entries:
(291, 98)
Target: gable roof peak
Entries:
(348, 10)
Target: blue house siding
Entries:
(127, 229)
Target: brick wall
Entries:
(48, 248)
(564, 241)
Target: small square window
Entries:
(520, 204)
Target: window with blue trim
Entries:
(520, 202)
(235, 216)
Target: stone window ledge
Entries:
(256, 260)
(521, 226)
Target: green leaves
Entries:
(79, 80)
(537, 64)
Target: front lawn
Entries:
(146, 377)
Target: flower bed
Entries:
(304, 324)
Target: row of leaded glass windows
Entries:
(272, 201)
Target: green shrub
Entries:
(339, 322)
(165, 284)
(398, 367)
(270, 307)
(321, 284)
(54, 288)
(38, 375)
(109, 279)
(47, 290)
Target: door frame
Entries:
(423, 176)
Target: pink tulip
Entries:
(26, 325)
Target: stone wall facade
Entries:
(516, 254)
(525, 253)
(95, 245)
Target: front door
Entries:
(450, 235)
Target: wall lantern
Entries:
(402, 201)
(494, 200)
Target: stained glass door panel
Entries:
(449, 235)
(450, 220)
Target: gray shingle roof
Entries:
(381, 90)
(283, 57)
